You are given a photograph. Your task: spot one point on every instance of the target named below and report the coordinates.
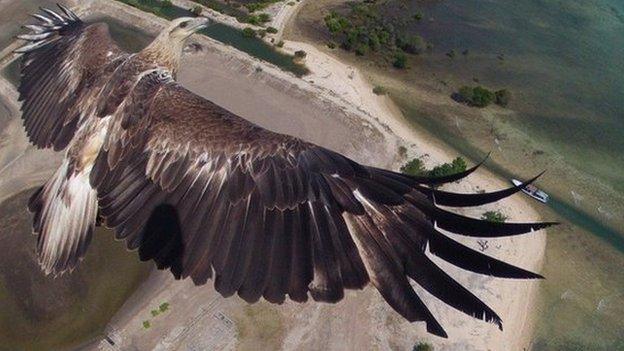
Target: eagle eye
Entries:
(184, 24)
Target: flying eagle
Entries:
(209, 195)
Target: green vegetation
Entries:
(364, 31)
(494, 216)
(423, 346)
(248, 32)
(280, 44)
(400, 60)
(380, 90)
(258, 20)
(147, 324)
(416, 167)
(155, 313)
(458, 165)
(418, 16)
(481, 97)
(164, 307)
(271, 30)
(259, 5)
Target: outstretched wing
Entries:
(210, 195)
(63, 59)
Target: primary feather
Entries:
(209, 195)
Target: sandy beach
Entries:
(334, 107)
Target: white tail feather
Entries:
(66, 210)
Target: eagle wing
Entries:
(208, 194)
(62, 63)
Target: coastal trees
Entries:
(364, 30)
(416, 167)
(481, 97)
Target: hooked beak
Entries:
(198, 23)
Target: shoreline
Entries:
(389, 115)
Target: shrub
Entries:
(451, 54)
(361, 50)
(400, 60)
(271, 30)
(262, 33)
(494, 216)
(264, 17)
(155, 313)
(414, 167)
(280, 44)
(380, 90)
(482, 97)
(423, 346)
(166, 3)
(300, 54)
(412, 45)
(248, 32)
(197, 10)
(418, 16)
(502, 97)
(163, 306)
(477, 96)
(147, 324)
(331, 45)
(458, 165)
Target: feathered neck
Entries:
(164, 52)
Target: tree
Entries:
(414, 167)
(458, 165)
(482, 97)
(400, 60)
(249, 32)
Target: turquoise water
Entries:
(563, 61)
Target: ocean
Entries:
(563, 62)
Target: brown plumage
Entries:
(209, 195)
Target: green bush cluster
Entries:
(248, 32)
(363, 30)
(253, 6)
(458, 165)
(494, 216)
(416, 167)
(481, 97)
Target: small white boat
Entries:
(532, 191)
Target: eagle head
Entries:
(166, 49)
(182, 28)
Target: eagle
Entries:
(208, 195)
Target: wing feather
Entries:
(272, 216)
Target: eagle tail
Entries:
(65, 211)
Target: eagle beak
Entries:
(198, 24)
